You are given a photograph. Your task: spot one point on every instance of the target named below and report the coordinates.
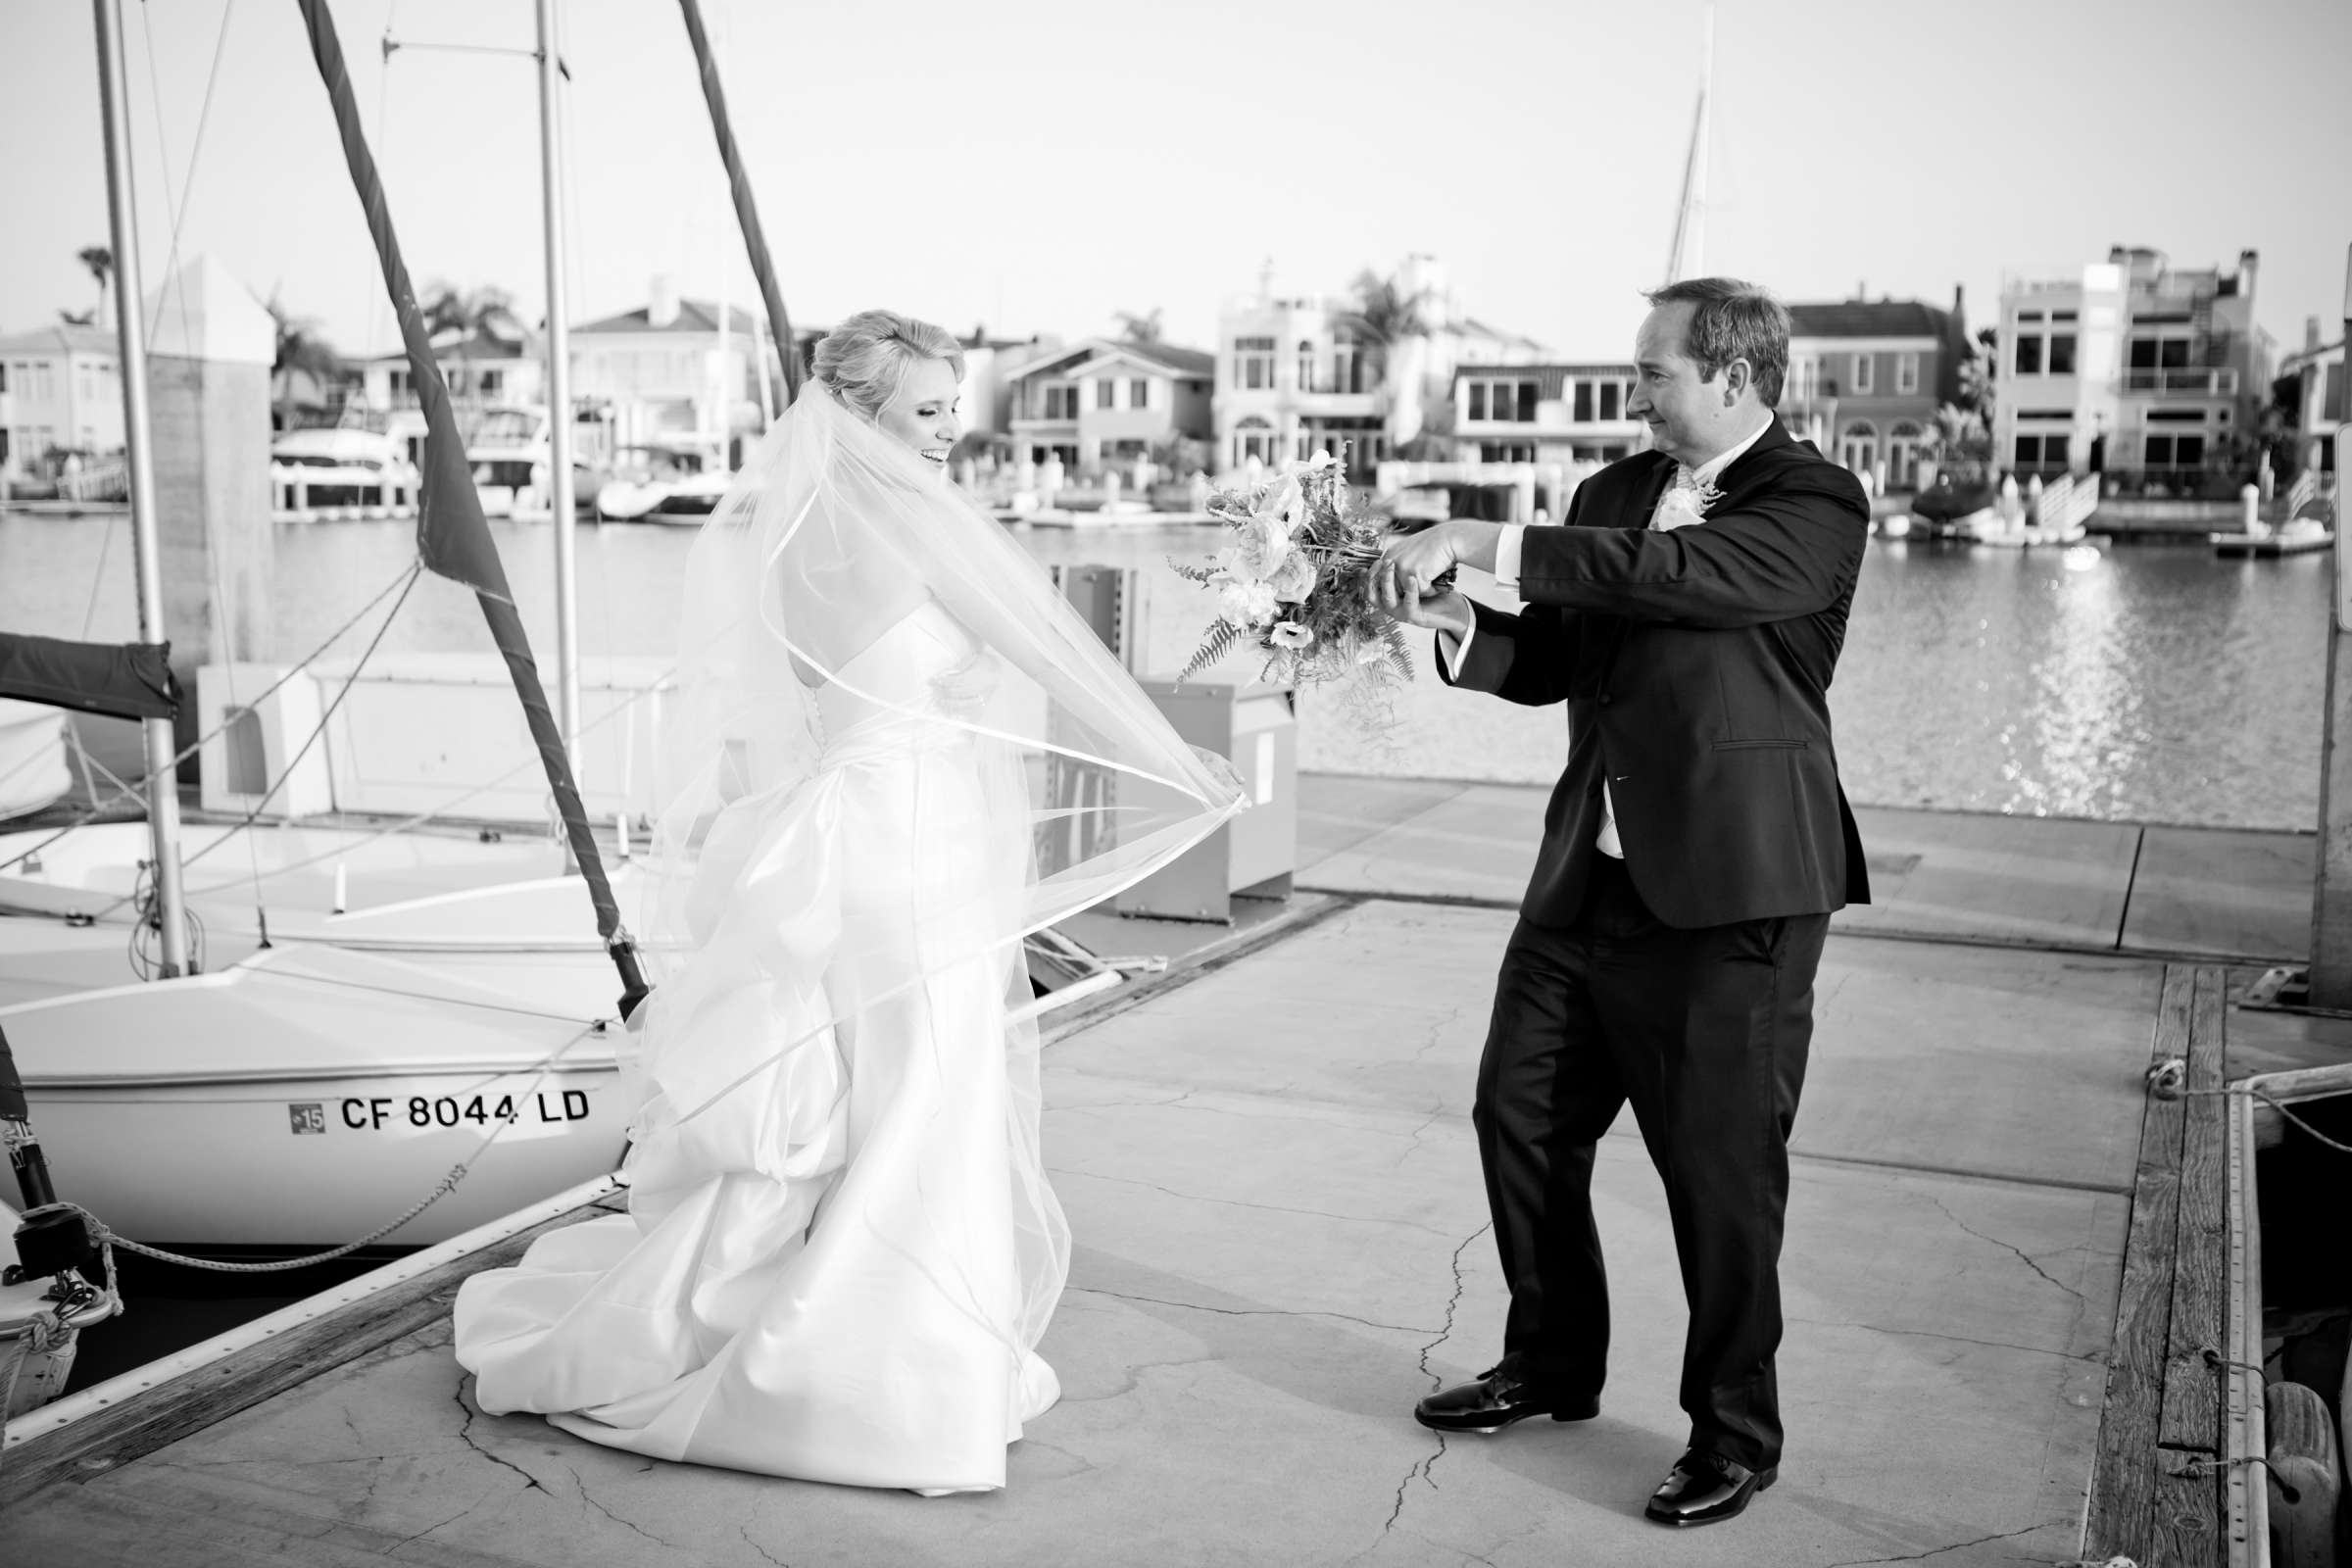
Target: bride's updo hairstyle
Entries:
(864, 361)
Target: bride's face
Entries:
(923, 414)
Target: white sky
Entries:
(1036, 166)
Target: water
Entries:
(2150, 683)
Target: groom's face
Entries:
(1688, 418)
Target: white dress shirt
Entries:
(1506, 574)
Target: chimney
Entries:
(1959, 303)
(2249, 264)
(2311, 334)
(663, 308)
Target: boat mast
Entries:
(559, 399)
(163, 785)
(1688, 256)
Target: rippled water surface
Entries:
(2144, 682)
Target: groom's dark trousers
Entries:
(1696, 668)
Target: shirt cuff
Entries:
(1506, 556)
(1453, 650)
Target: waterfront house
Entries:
(60, 393)
(1297, 374)
(1105, 402)
(1866, 377)
(658, 372)
(498, 363)
(1567, 412)
(2152, 377)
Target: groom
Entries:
(1690, 614)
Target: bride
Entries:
(893, 750)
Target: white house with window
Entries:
(1106, 403)
(1546, 414)
(1297, 374)
(60, 392)
(2134, 369)
(1865, 379)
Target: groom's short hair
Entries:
(1734, 321)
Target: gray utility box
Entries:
(1254, 854)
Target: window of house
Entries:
(1864, 366)
(1252, 438)
(1347, 363)
(1506, 451)
(1139, 393)
(1906, 374)
(1478, 401)
(2170, 451)
(1610, 393)
(1106, 393)
(1253, 363)
(1306, 366)
(1580, 406)
(2028, 359)
(2062, 353)
(1062, 401)
(44, 383)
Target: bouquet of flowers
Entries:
(1292, 582)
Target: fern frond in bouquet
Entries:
(1293, 584)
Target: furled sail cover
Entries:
(122, 680)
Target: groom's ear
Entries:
(1737, 377)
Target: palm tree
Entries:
(101, 261)
(487, 312)
(1385, 315)
(302, 352)
(1138, 329)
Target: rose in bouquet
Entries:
(1292, 583)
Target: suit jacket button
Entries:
(1604, 698)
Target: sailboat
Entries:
(298, 1095)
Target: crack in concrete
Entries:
(1437, 1033)
(1248, 1312)
(744, 1531)
(581, 1487)
(430, 1529)
(2023, 1256)
(466, 1436)
(1424, 1468)
(1957, 1546)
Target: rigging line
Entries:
(204, 116)
(415, 572)
(106, 545)
(408, 575)
(586, 1028)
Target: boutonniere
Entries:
(1683, 505)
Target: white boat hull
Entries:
(307, 1096)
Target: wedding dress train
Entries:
(840, 1248)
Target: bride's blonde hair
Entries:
(866, 359)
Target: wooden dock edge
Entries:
(2159, 1470)
(146, 1408)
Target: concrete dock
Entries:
(1282, 1242)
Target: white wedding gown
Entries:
(840, 1248)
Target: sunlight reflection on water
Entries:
(2144, 682)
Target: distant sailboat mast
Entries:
(1688, 256)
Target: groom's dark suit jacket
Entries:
(1696, 664)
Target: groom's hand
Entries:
(1410, 567)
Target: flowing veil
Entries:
(799, 590)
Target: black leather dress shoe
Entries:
(1495, 1401)
(1703, 1488)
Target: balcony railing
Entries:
(2205, 383)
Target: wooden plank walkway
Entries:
(2158, 1479)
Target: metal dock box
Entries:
(1256, 726)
